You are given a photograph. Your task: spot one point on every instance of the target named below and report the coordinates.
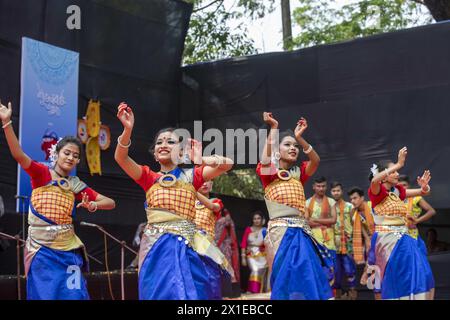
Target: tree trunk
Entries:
(287, 24)
(439, 9)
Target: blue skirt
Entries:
(422, 246)
(56, 275)
(331, 265)
(298, 271)
(214, 272)
(173, 271)
(407, 272)
(344, 271)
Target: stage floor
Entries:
(99, 288)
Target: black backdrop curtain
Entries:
(364, 100)
(129, 51)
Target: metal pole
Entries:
(123, 246)
(19, 295)
(18, 241)
(24, 237)
(122, 266)
(23, 218)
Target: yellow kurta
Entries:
(348, 228)
(325, 237)
(414, 210)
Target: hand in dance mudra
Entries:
(91, 206)
(301, 127)
(424, 180)
(194, 151)
(402, 153)
(270, 120)
(5, 112)
(125, 115)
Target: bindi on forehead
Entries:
(167, 136)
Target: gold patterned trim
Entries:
(291, 222)
(63, 183)
(167, 183)
(183, 228)
(284, 175)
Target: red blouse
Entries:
(268, 179)
(41, 176)
(149, 177)
(378, 198)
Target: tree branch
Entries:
(208, 5)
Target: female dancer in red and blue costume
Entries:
(216, 264)
(415, 206)
(54, 255)
(169, 267)
(298, 263)
(400, 267)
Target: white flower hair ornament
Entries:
(53, 155)
(374, 169)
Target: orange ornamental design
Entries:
(288, 192)
(179, 199)
(391, 206)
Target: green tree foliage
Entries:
(242, 183)
(210, 36)
(322, 21)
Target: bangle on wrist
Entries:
(218, 161)
(7, 124)
(96, 206)
(428, 189)
(120, 143)
(310, 148)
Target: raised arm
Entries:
(267, 150)
(380, 176)
(131, 168)
(423, 182)
(214, 165)
(13, 143)
(208, 203)
(314, 158)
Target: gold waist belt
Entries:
(391, 229)
(183, 228)
(291, 222)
